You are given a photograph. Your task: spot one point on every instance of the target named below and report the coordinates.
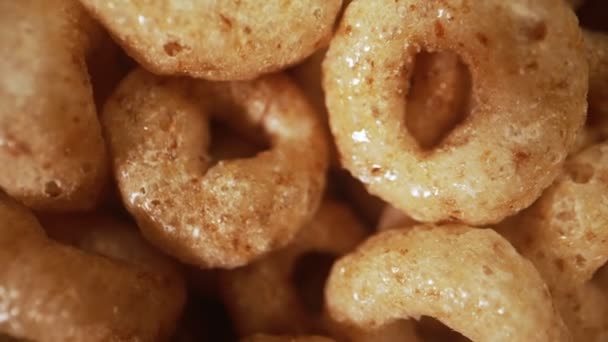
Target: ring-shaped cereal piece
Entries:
(263, 296)
(409, 273)
(228, 214)
(103, 234)
(54, 292)
(49, 131)
(565, 232)
(529, 83)
(565, 235)
(217, 40)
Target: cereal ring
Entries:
(565, 235)
(225, 40)
(565, 232)
(270, 338)
(112, 238)
(596, 45)
(268, 286)
(526, 57)
(408, 273)
(49, 131)
(53, 292)
(227, 214)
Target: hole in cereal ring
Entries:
(432, 330)
(52, 189)
(308, 277)
(439, 97)
(580, 173)
(228, 143)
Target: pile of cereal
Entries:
(310, 170)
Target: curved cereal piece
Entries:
(409, 273)
(53, 292)
(528, 70)
(227, 214)
(110, 237)
(217, 40)
(263, 296)
(565, 233)
(49, 131)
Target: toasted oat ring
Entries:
(526, 57)
(218, 40)
(50, 137)
(53, 292)
(111, 237)
(263, 296)
(565, 232)
(565, 235)
(408, 273)
(226, 215)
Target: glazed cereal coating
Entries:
(226, 215)
(262, 296)
(49, 131)
(565, 232)
(498, 296)
(529, 85)
(565, 235)
(217, 40)
(53, 292)
(596, 45)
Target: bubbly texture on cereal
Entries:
(304, 170)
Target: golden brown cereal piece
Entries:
(596, 45)
(270, 338)
(217, 40)
(50, 137)
(565, 232)
(110, 237)
(53, 292)
(584, 310)
(471, 280)
(227, 214)
(529, 83)
(565, 235)
(264, 295)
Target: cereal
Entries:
(565, 232)
(230, 213)
(526, 57)
(264, 296)
(218, 40)
(53, 292)
(49, 131)
(408, 273)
